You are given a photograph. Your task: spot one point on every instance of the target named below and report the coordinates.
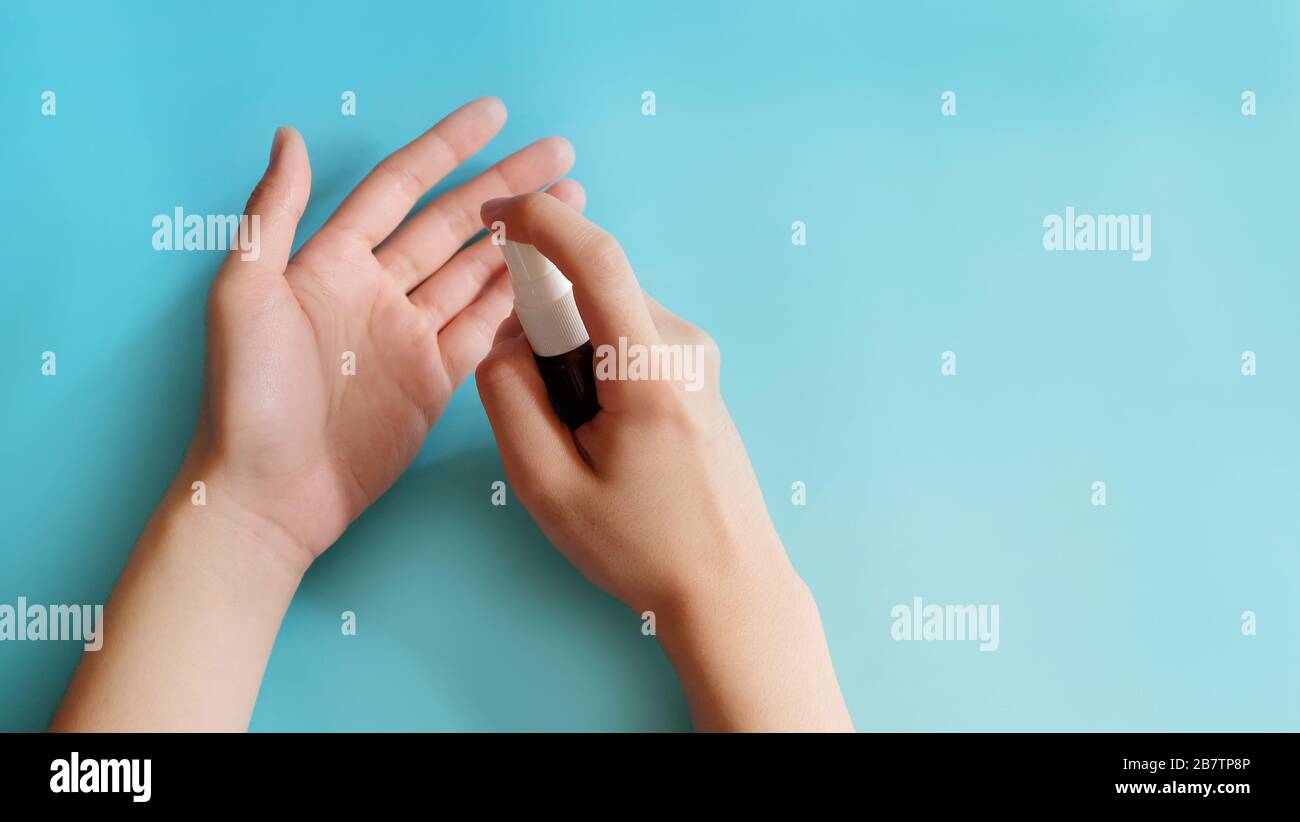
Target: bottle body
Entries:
(546, 309)
(571, 384)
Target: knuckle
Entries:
(271, 196)
(491, 371)
(709, 347)
(265, 191)
(480, 327)
(402, 266)
(526, 208)
(402, 177)
(604, 254)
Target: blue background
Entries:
(924, 235)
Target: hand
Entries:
(654, 499)
(285, 437)
(290, 447)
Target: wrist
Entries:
(206, 501)
(717, 603)
(750, 651)
(191, 620)
(717, 600)
(741, 577)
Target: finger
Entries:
(427, 240)
(662, 317)
(537, 450)
(705, 356)
(468, 337)
(510, 328)
(671, 327)
(389, 192)
(273, 211)
(455, 286)
(608, 296)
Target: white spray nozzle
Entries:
(543, 301)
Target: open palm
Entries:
(325, 372)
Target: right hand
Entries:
(654, 499)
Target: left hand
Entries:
(289, 441)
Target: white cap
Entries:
(543, 301)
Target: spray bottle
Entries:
(561, 346)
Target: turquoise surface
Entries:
(924, 235)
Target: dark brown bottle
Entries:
(546, 310)
(571, 384)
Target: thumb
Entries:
(273, 211)
(537, 449)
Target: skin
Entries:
(291, 450)
(654, 499)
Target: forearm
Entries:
(190, 624)
(752, 656)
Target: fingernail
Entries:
(277, 143)
(493, 207)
